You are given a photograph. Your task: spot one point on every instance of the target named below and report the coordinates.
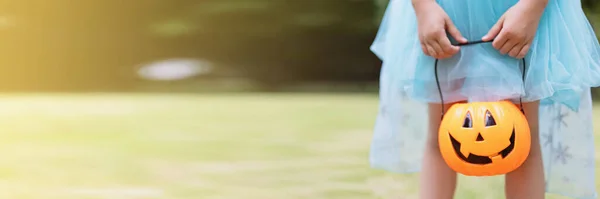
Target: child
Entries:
(563, 63)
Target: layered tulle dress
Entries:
(562, 65)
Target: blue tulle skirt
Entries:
(562, 65)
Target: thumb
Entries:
(494, 31)
(454, 32)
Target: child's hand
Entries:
(516, 29)
(433, 24)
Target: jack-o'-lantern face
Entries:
(484, 138)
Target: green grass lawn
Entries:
(173, 146)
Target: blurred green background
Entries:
(204, 99)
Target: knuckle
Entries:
(447, 48)
(434, 34)
(510, 33)
(496, 45)
(427, 34)
(423, 35)
(520, 37)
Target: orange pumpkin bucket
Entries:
(484, 138)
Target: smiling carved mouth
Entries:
(475, 159)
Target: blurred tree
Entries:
(98, 44)
(278, 42)
(75, 45)
(589, 3)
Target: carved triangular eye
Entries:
(489, 119)
(468, 121)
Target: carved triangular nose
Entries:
(479, 137)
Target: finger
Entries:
(508, 46)
(424, 48)
(438, 50)
(447, 47)
(514, 52)
(500, 40)
(494, 31)
(431, 51)
(524, 51)
(454, 32)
